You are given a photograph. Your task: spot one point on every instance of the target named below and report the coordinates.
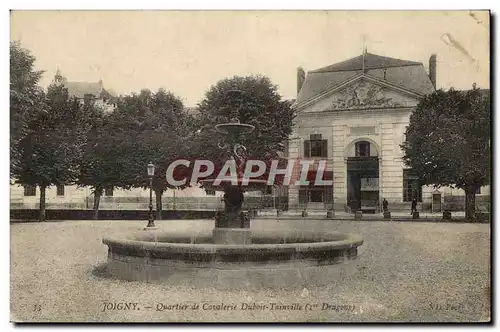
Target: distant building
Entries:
(192, 110)
(354, 114)
(88, 91)
(66, 197)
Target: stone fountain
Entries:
(233, 256)
(232, 226)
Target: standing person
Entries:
(385, 205)
(413, 205)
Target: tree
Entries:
(448, 141)
(26, 97)
(51, 149)
(99, 165)
(251, 100)
(150, 127)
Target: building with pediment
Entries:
(354, 114)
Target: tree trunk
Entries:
(158, 195)
(41, 217)
(97, 200)
(470, 204)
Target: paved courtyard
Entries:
(407, 272)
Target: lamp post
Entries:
(151, 173)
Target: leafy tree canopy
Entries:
(98, 167)
(52, 148)
(252, 100)
(150, 127)
(26, 97)
(448, 139)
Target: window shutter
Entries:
(29, 190)
(307, 148)
(324, 150)
(108, 191)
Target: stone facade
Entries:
(364, 106)
(193, 198)
(342, 130)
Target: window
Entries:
(411, 186)
(87, 98)
(210, 192)
(478, 191)
(29, 190)
(60, 190)
(316, 147)
(108, 191)
(362, 149)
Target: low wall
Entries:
(451, 203)
(142, 203)
(276, 259)
(32, 214)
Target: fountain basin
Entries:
(234, 128)
(274, 259)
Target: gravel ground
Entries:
(407, 272)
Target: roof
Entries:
(80, 89)
(371, 61)
(195, 110)
(192, 110)
(409, 75)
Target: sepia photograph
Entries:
(250, 166)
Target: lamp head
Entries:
(151, 169)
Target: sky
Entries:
(187, 52)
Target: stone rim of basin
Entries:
(349, 241)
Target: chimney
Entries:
(301, 76)
(432, 69)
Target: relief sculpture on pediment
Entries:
(362, 95)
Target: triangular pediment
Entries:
(363, 92)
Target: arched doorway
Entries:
(363, 176)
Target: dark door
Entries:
(316, 196)
(436, 203)
(353, 190)
(357, 168)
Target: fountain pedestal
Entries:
(231, 236)
(232, 227)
